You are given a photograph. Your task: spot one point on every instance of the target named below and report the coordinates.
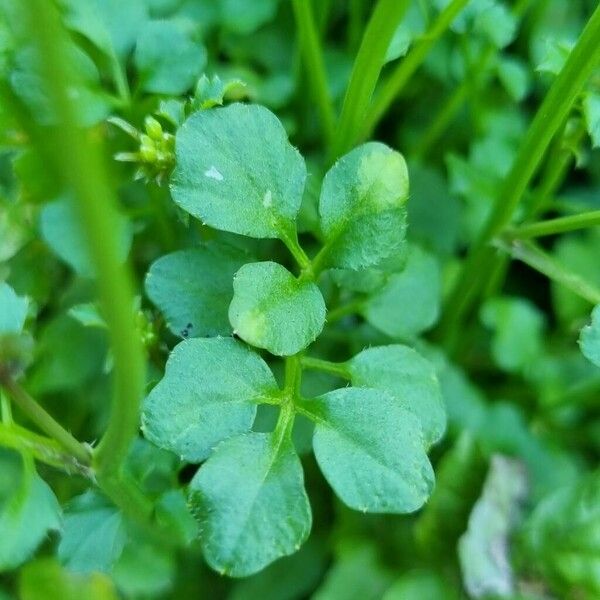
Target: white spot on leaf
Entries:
(213, 173)
(268, 199)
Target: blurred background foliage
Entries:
(516, 509)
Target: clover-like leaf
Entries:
(13, 310)
(363, 206)
(518, 326)
(193, 288)
(406, 375)
(272, 309)
(236, 171)
(28, 509)
(168, 60)
(93, 535)
(62, 231)
(371, 450)
(209, 393)
(589, 339)
(410, 300)
(250, 500)
(111, 25)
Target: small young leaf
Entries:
(514, 77)
(168, 60)
(518, 327)
(144, 570)
(236, 171)
(589, 339)
(211, 92)
(28, 510)
(245, 17)
(363, 206)
(272, 309)
(13, 310)
(88, 315)
(409, 302)
(93, 535)
(209, 393)
(591, 112)
(371, 450)
(406, 375)
(250, 500)
(193, 288)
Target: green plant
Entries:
(249, 350)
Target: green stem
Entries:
(351, 308)
(293, 376)
(43, 449)
(551, 114)
(397, 81)
(45, 421)
(554, 173)
(365, 72)
(77, 160)
(289, 236)
(356, 17)
(317, 364)
(559, 225)
(451, 107)
(312, 53)
(542, 262)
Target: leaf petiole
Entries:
(407, 66)
(45, 421)
(537, 259)
(559, 225)
(326, 366)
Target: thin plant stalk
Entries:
(365, 72)
(393, 86)
(549, 117)
(78, 161)
(312, 54)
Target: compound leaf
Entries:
(236, 171)
(250, 500)
(371, 450)
(363, 206)
(209, 393)
(272, 309)
(193, 288)
(406, 375)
